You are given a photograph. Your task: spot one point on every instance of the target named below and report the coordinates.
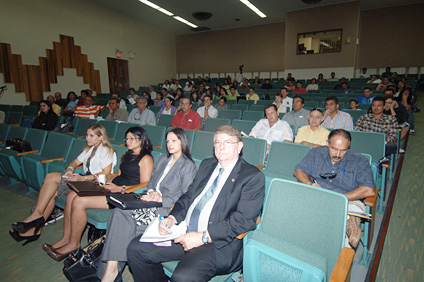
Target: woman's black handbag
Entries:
(82, 265)
(17, 144)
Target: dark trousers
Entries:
(391, 148)
(144, 260)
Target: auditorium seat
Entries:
(212, 124)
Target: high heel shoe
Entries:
(18, 237)
(54, 254)
(48, 248)
(22, 227)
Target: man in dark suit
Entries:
(223, 201)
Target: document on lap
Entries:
(151, 235)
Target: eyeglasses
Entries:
(132, 138)
(226, 143)
(329, 175)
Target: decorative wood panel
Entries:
(34, 80)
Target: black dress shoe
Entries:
(23, 227)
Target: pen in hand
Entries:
(164, 224)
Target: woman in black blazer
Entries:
(46, 119)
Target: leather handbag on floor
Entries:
(17, 144)
(82, 265)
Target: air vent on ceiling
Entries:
(201, 28)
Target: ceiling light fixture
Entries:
(168, 13)
(253, 8)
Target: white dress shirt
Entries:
(280, 131)
(212, 112)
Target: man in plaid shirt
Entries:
(379, 122)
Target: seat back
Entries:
(212, 124)
(156, 134)
(253, 115)
(244, 125)
(246, 102)
(155, 109)
(37, 138)
(254, 150)
(4, 108)
(165, 120)
(355, 114)
(16, 132)
(57, 146)
(283, 157)
(14, 117)
(16, 108)
(4, 130)
(371, 143)
(190, 135)
(240, 107)
(82, 124)
(120, 151)
(110, 127)
(120, 132)
(312, 231)
(203, 145)
(230, 114)
(76, 149)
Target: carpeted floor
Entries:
(403, 252)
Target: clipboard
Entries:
(130, 201)
(88, 188)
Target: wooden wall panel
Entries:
(34, 80)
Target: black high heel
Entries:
(22, 227)
(18, 237)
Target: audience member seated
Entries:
(167, 108)
(222, 104)
(195, 99)
(298, 117)
(398, 110)
(233, 94)
(313, 85)
(387, 73)
(287, 101)
(252, 95)
(97, 157)
(353, 104)
(55, 107)
(207, 111)
(148, 97)
(136, 167)
(132, 97)
(46, 118)
(405, 98)
(333, 77)
(174, 86)
(385, 82)
(394, 78)
(81, 99)
(187, 88)
(289, 85)
(339, 169)
(88, 110)
(290, 78)
(221, 93)
(272, 128)
(400, 86)
(72, 104)
(266, 85)
(345, 89)
(59, 101)
(236, 84)
(245, 84)
(159, 100)
(202, 90)
(152, 93)
(223, 201)
(199, 80)
(333, 118)
(166, 85)
(185, 117)
(377, 121)
(374, 79)
(226, 84)
(121, 102)
(363, 74)
(299, 88)
(172, 175)
(313, 134)
(321, 78)
(278, 102)
(142, 115)
(366, 98)
(257, 81)
(115, 112)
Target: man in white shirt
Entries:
(207, 111)
(152, 93)
(271, 128)
(141, 114)
(287, 101)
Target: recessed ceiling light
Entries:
(253, 8)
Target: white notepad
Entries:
(151, 235)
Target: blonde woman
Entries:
(97, 157)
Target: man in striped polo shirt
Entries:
(333, 118)
(88, 110)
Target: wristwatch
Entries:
(205, 238)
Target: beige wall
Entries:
(259, 48)
(344, 16)
(392, 37)
(31, 27)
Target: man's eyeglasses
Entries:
(226, 143)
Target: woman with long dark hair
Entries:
(171, 178)
(136, 167)
(46, 119)
(97, 157)
(72, 100)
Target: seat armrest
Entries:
(386, 164)
(111, 175)
(80, 137)
(157, 146)
(50, 160)
(241, 236)
(71, 132)
(29, 152)
(260, 166)
(122, 144)
(136, 187)
(15, 124)
(110, 138)
(342, 268)
(371, 201)
(78, 167)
